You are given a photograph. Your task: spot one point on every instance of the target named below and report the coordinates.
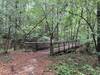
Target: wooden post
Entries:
(58, 46)
(51, 45)
(36, 46)
(75, 43)
(64, 46)
(72, 44)
(68, 44)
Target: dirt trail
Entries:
(31, 63)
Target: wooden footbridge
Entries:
(57, 46)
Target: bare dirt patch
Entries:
(26, 63)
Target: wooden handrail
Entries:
(55, 42)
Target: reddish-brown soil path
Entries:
(26, 63)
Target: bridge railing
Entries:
(58, 46)
(64, 46)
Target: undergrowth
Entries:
(73, 69)
(68, 65)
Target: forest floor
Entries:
(25, 63)
(39, 63)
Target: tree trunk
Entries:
(16, 25)
(57, 36)
(98, 31)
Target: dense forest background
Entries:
(66, 19)
(52, 24)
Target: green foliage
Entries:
(39, 18)
(64, 69)
(72, 69)
(44, 38)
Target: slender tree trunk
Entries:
(16, 24)
(98, 31)
(51, 36)
(77, 30)
(58, 29)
